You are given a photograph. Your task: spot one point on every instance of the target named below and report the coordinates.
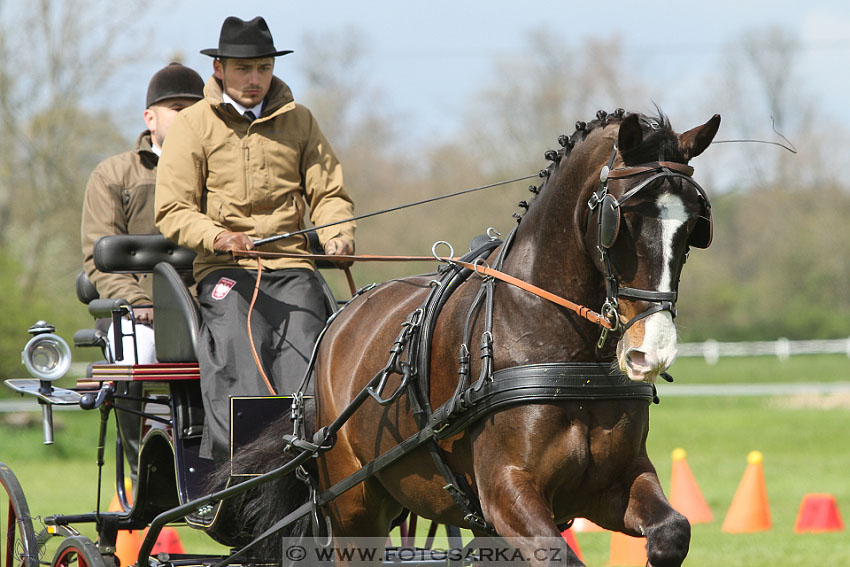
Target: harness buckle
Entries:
(477, 521)
(610, 313)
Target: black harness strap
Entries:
(533, 383)
(451, 276)
(420, 390)
(538, 383)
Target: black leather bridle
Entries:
(606, 207)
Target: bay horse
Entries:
(610, 228)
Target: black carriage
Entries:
(172, 484)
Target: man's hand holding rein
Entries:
(340, 247)
(232, 242)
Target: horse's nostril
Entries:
(636, 358)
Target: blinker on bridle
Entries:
(608, 217)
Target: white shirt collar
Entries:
(156, 149)
(257, 110)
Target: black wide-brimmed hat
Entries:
(245, 40)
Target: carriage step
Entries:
(56, 396)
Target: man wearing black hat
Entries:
(246, 163)
(119, 199)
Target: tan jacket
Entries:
(218, 172)
(119, 199)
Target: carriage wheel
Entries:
(18, 545)
(77, 551)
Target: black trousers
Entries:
(288, 316)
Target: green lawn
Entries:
(805, 451)
(763, 369)
(804, 441)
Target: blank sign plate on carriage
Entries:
(249, 417)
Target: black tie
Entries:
(250, 116)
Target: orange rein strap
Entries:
(581, 310)
(478, 268)
(257, 360)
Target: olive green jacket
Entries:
(119, 199)
(219, 172)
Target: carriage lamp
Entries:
(48, 358)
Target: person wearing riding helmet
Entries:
(119, 199)
(247, 163)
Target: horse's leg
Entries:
(637, 506)
(360, 520)
(648, 513)
(512, 503)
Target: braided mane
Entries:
(659, 143)
(659, 140)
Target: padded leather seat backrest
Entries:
(86, 292)
(176, 318)
(139, 253)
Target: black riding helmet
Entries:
(174, 81)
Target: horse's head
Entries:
(643, 214)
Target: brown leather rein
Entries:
(478, 267)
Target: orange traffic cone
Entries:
(571, 540)
(627, 550)
(581, 525)
(127, 542)
(818, 513)
(750, 511)
(167, 542)
(685, 495)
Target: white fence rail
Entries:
(712, 350)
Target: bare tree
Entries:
(760, 84)
(53, 131)
(540, 93)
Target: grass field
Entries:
(805, 441)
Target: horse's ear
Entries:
(693, 142)
(630, 134)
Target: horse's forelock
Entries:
(660, 142)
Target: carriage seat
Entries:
(124, 254)
(86, 292)
(139, 253)
(96, 337)
(176, 317)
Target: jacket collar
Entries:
(279, 95)
(144, 147)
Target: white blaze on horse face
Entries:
(658, 349)
(673, 217)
